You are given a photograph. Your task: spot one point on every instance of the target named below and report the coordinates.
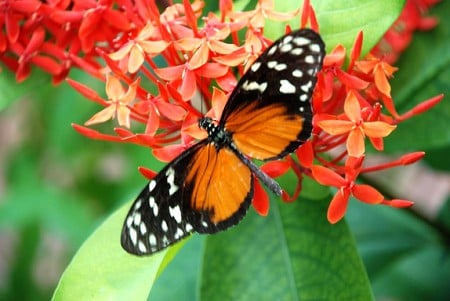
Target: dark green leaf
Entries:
(293, 254)
(405, 258)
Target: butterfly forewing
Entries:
(269, 112)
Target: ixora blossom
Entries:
(163, 70)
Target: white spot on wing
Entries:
(129, 221)
(303, 97)
(152, 239)
(142, 247)
(170, 173)
(271, 64)
(143, 228)
(286, 87)
(306, 86)
(314, 47)
(151, 185)
(309, 59)
(297, 73)
(254, 86)
(300, 41)
(133, 235)
(164, 226)
(165, 241)
(255, 66)
(286, 48)
(175, 212)
(280, 67)
(137, 218)
(297, 51)
(178, 234)
(188, 227)
(262, 87)
(137, 205)
(287, 39)
(272, 50)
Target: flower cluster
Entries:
(163, 70)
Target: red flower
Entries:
(346, 186)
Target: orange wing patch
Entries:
(219, 182)
(263, 133)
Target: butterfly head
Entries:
(216, 133)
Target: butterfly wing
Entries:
(205, 189)
(269, 112)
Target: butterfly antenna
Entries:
(268, 181)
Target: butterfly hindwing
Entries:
(192, 193)
(269, 111)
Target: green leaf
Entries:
(102, 270)
(405, 257)
(423, 73)
(341, 20)
(292, 254)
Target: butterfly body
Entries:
(209, 187)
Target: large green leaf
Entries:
(405, 257)
(423, 73)
(292, 254)
(340, 21)
(102, 270)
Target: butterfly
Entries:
(209, 187)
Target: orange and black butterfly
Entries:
(209, 187)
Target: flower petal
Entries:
(123, 116)
(367, 194)
(200, 57)
(352, 108)
(336, 127)
(114, 88)
(276, 168)
(102, 116)
(122, 52)
(135, 60)
(381, 81)
(355, 143)
(326, 176)
(377, 129)
(260, 199)
(305, 154)
(338, 206)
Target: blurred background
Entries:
(57, 186)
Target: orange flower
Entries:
(355, 126)
(136, 49)
(118, 101)
(381, 72)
